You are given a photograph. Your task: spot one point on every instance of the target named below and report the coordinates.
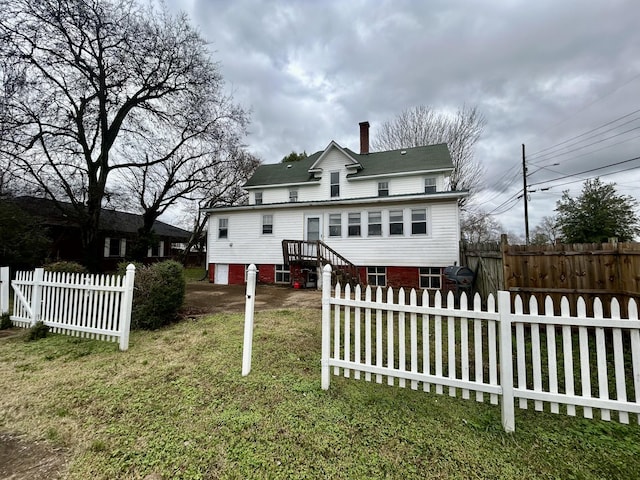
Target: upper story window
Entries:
(396, 222)
(354, 224)
(430, 185)
(267, 224)
(383, 189)
(418, 221)
(258, 198)
(335, 225)
(293, 195)
(375, 224)
(335, 184)
(223, 228)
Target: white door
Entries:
(222, 274)
(313, 228)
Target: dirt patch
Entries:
(21, 459)
(206, 298)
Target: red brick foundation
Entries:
(407, 277)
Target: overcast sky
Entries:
(541, 73)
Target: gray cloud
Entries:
(541, 72)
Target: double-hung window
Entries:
(377, 276)
(375, 224)
(418, 221)
(335, 225)
(396, 222)
(354, 224)
(223, 228)
(267, 224)
(430, 185)
(335, 184)
(430, 278)
(258, 197)
(293, 195)
(383, 189)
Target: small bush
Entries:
(121, 269)
(5, 322)
(38, 331)
(65, 267)
(158, 294)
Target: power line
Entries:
(596, 142)
(533, 155)
(589, 171)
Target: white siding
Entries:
(246, 244)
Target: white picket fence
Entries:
(574, 361)
(94, 306)
(5, 281)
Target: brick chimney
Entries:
(364, 138)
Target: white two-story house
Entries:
(382, 218)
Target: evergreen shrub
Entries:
(65, 267)
(158, 295)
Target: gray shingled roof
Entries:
(110, 220)
(428, 158)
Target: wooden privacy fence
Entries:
(95, 306)
(574, 361)
(604, 271)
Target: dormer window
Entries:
(383, 189)
(293, 195)
(335, 184)
(430, 185)
(258, 198)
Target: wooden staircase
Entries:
(318, 254)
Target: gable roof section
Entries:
(431, 158)
(353, 163)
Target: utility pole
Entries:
(524, 195)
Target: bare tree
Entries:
(228, 191)
(422, 125)
(98, 74)
(546, 232)
(479, 227)
(202, 154)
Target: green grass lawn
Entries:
(175, 406)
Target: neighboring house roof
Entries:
(110, 220)
(431, 158)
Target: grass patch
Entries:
(175, 406)
(194, 274)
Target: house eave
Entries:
(364, 176)
(394, 199)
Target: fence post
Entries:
(326, 326)
(4, 290)
(506, 362)
(36, 299)
(248, 319)
(125, 307)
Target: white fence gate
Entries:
(4, 290)
(575, 361)
(95, 306)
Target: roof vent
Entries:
(289, 166)
(403, 152)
